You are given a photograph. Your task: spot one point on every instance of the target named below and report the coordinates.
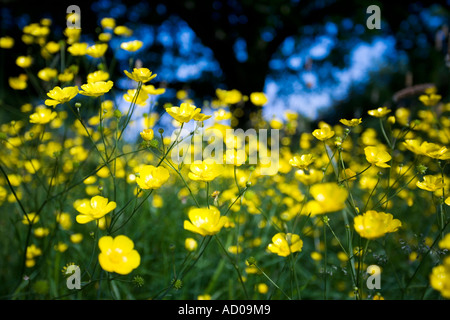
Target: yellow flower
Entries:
(440, 278)
(351, 123)
(373, 224)
(229, 96)
(323, 133)
(96, 89)
(118, 254)
(431, 183)
(42, 116)
(302, 162)
(445, 242)
(98, 75)
(93, 209)
(190, 244)
(205, 222)
(379, 112)
(59, 95)
(376, 156)
(6, 42)
(258, 98)
(206, 170)
(430, 100)
(66, 76)
(150, 89)
(47, 74)
(52, 47)
(24, 61)
(18, 83)
(97, 50)
(151, 177)
(123, 31)
(283, 244)
(78, 49)
(140, 75)
(30, 218)
(108, 23)
(131, 46)
(140, 100)
(147, 134)
(435, 151)
(186, 112)
(235, 157)
(328, 197)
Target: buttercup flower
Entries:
(430, 100)
(97, 50)
(258, 98)
(204, 221)
(93, 209)
(328, 197)
(376, 156)
(186, 112)
(47, 74)
(59, 95)
(96, 89)
(6, 42)
(323, 133)
(18, 83)
(373, 224)
(42, 116)
(98, 75)
(131, 45)
(140, 75)
(302, 162)
(140, 100)
(147, 134)
(24, 61)
(283, 244)
(206, 170)
(440, 278)
(78, 49)
(118, 254)
(379, 112)
(351, 123)
(151, 177)
(108, 23)
(431, 183)
(150, 89)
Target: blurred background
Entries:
(314, 57)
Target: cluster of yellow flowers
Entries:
(348, 172)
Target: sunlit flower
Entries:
(108, 23)
(302, 162)
(147, 134)
(151, 90)
(184, 113)
(47, 74)
(97, 50)
(18, 83)
(229, 96)
(206, 170)
(52, 47)
(30, 218)
(140, 75)
(430, 100)
(323, 133)
(118, 254)
(283, 244)
(78, 49)
(373, 224)
(377, 156)
(58, 95)
(42, 116)
(151, 177)
(351, 123)
(123, 31)
(445, 242)
(204, 221)
(235, 157)
(258, 98)
(440, 278)
(95, 208)
(140, 100)
(96, 89)
(24, 61)
(6, 42)
(431, 183)
(131, 45)
(328, 197)
(66, 76)
(379, 112)
(98, 75)
(190, 244)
